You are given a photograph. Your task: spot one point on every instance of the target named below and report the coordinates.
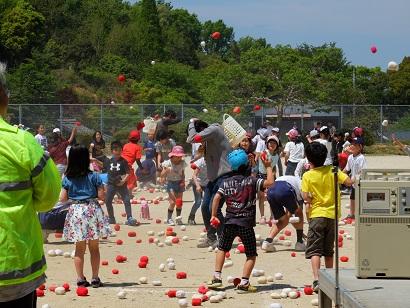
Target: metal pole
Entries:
(20, 114)
(61, 117)
(341, 116)
(336, 191)
(182, 113)
(301, 118)
(101, 119)
(381, 123)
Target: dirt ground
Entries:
(197, 263)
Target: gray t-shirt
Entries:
(177, 171)
(202, 174)
(164, 149)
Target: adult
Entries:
(29, 184)
(58, 147)
(216, 148)
(169, 118)
(96, 148)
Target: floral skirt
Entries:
(85, 221)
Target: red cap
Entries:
(140, 125)
(198, 138)
(134, 135)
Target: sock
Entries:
(179, 210)
(299, 236)
(170, 214)
(269, 240)
(244, 281)
(218, 275)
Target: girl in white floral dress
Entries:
(85, 221)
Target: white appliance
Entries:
(383, 224)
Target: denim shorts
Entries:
(175, 186)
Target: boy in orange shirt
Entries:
(132, 152)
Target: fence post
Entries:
(182, 113)
(301, 117)
(20, 114)
(101, 119)
(341, 116)
(61, 117)
(381, 123)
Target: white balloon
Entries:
(385, 123)
(180, 294)
(203, 44)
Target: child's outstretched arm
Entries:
(269, 171)
(215, 205)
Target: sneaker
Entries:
(349, 217)
(178, 220)
(214, 283)
(83, 282)
(131, 221)
(245, 288)
(96, 283)
(315, 286)
(207, 243)
(191, 222)
(170, 222)
(268, 247)
(300, 246)
(262, 221)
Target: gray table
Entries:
(370, 293)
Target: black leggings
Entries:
(28, 301)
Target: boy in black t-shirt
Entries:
(117, 168)
(240, 191)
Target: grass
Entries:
(383, 149)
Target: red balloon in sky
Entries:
(216, 35)
(373, 49)
(121, 78)
(257, 107)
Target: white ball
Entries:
(180, 294)
(342, 223)
(278, 276)
(215, 299)
(203, 44)
(201, 240)
(211, 293)
(230, 279)
(51, 253)
(202, 235)
(262, 280)
(283, 295)
(392, 66)
(171, 266)
(157, 283)
(156, 241)
(113, 234)
(210, 249)
(160, 245)
(287, 290)
(161, 233)
(67, 254)
(275, 305)
(315, 302)
(153, 62)
(122, 294)
(150, 233)
(228, 263)
(205, 110)
(183, 228)
(59, 291)
(269, 279)
(185, 238)
(222, 294)
(143, 280)
(293, 295)
(46, 306)
(275, 295)
(170, 260)
(183, 303)
(168, 242)
(162, 267)
(385, 123)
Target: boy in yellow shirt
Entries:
(318, 194)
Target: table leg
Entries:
(324, 300)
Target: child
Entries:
(132, 152)
(272, 155)
(200, 180)
(147, 175)
(318, 193)
(294, 151)
(149, 145)
(355, 164)
(325, 139)
(85, 221)
(40, 137)
(169, 118)
(173, 171)
(118, 173)
(285, 198)
(239, 190)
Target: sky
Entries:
(354, 25)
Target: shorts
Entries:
(282, 195)
(132, 179)
(175, 186)
(320, 237)
(246, 234)
(352, 194)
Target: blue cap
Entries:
(237, 158)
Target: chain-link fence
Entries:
(115, 121)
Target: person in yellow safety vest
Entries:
(29, 183)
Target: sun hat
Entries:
(323, 128)
(272, 138)
(177, 151)
(237, 158)
(56, 130)
(293, 133)
(134, 135)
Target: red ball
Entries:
(82, 291)
(227, 255)
(373, 49)
(58, 235)
(236, 281)
(132, 234)
(241, 248)
(121, 78)
(142, 264)
(196, 302)
(117, 227)
(119, 259)
(150, 240)
(344, 259)
(181, 275)
(119, 242)
(216, 35)
(202, 290)
(293, 254)
(134, 202)
(77, 123)
(237, 110)
(257, 107)
(151, 190)
(205, 298)
(172, 293)
(193, 166)
(308, 290)
(341, 231)
(42, 287)
(158, 221)
(156, 201)
(288, 233)
(66, 286)
(170, 229)
(340, 238)
(175, 240)
(115, 271)
(104, 262)
(282, 237)
(340, 244)
(144, 259)
(40, 293)
(138, 241)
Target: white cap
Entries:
(56, 130)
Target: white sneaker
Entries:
(268, 247)
(170, 222)
(178, 220)
(262, 221)
(300, 246)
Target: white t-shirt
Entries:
(355, 164)
(202, 174)
(296, 151)
(328, 145)
(296, 183)
(260, 146)
(300, 167)
(177, 171)
(256, 139)
(41, 140)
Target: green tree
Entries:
(218, 46)
(400, 83)
(247, 42)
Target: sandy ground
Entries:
(197, 263)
